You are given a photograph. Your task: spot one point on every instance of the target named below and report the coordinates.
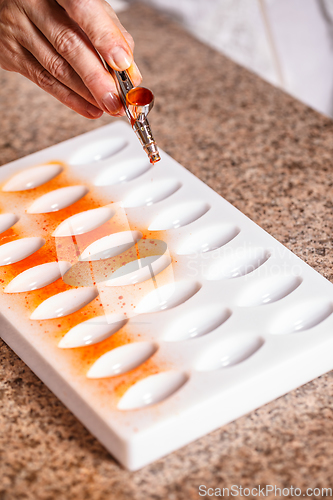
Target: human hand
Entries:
(55, 44)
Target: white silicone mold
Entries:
(154, 309)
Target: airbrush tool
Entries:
(137, 101)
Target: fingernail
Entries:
(121, 58)
(138, 72)
(93, 111)
(137, 69)
(112, 103)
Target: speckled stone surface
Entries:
(271, 157)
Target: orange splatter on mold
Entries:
(45, 254)
(49, 332)
(9, 235)
(123, 382)
(82, 358)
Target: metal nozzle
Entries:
(138, 102)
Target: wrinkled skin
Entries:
(55, 44)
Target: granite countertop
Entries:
(271, 157)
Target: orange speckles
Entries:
(82, 241)
(47, 333)
(57, 330)
(31, 300)
(82, 358)
(44, 254)
(24, 197)
(85, 273)
(9, 235)
(123, 382)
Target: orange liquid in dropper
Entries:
(139, 96)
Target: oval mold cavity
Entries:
(197, 323)
(152, 390)
(152, 192)
(92, 331)
(239, 264)
(97, 151)
(168, 296)
(84, 221)
(179, 215)
(111, 245)
(124, 171)
(32, 177)
(268, 290)
(208, 239)
(17, 250)
(57, 199)
(122, 359)
(139, 270)
(303, 316)
(7, 221)
(229, 352)
(64, 303)
(37, 277)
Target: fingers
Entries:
(73, 45)
(35, 42)
(102, 30)
(33, 70)
(113, 16)
(15, 26)
(43, 40)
